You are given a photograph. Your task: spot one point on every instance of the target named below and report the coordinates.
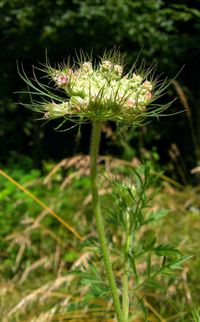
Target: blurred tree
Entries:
(168, 32)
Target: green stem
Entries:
(125, 297)
(95, 141)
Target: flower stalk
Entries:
(94, 151)
(125, 293)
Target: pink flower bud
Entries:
(130, 102)
(148, 95)
(62, 80)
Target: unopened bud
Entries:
(106, 65)
(148, 95)
(130, 102)
(137, 78)
(118, 69)
(147, 85)
(61, 80)
(86, 66)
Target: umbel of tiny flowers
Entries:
(102, 91)
(98, 93)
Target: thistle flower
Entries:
(101, 92)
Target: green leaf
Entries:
(176, 264)
(155, 215)
(166, 271)
(152, 282)
(165, 250)
(96, 292)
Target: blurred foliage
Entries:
(167, 32)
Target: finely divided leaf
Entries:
(155, 215)
(165, 250)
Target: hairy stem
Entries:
(125, 297)
(95, 141)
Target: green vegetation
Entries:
(51, 267)
(39, 253)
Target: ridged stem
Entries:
(125, 296)
(94, 151)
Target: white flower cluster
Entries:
(102, 92)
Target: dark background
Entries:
(168, 33)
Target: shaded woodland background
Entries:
(168, 32)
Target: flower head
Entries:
(101, 92)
